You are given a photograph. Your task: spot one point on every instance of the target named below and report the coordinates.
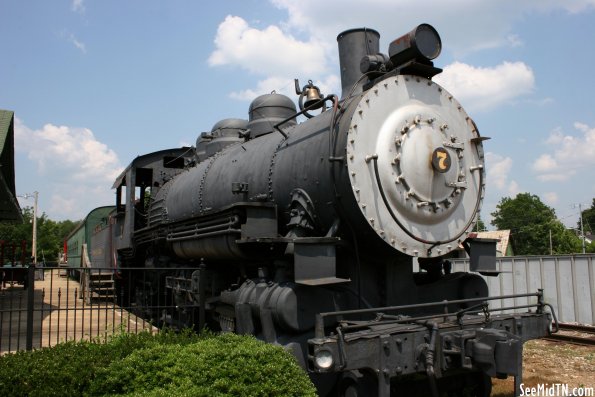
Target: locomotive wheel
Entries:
(358, 384)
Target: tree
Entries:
(531, 222)
(50, 234)
(588, 219)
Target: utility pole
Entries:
(580, 213)
(551, 249)
(35, 195)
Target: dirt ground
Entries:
(549, 362)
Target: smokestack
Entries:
(354, 44)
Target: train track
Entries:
(576, 334)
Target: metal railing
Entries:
(41, 307)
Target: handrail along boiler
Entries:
(304, 233)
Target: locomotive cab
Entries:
(136, 185)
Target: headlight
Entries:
(323, 359)
(421, 44)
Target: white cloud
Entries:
(277, 84)
(265, 52)
(556, 137)
(498, 169)
(75, 168)
(483, 88)
(279, 57)
(78, 6)
(514, 40)
(73, 149)
(72, 39)
(489, 21)
(545, 163)
(572, 6)
(272, 53)
(570, 154)
(77, 43)
(304, 44)
(541, 102)
(513, 188)
(551, 198)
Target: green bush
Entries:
(167, 364)
(227, 365)
(64, 370)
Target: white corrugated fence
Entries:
(568, 282)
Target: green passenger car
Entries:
(94, 232)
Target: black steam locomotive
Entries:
(305, 233)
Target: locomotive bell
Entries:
(309, 95)
(313, 96)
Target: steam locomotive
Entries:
(301, 226)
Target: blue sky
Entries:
(95, 83)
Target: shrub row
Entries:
(167, 364)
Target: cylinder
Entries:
(354, 44)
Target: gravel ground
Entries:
(549, 362)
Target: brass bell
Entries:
(309, 95)
(312, 96)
